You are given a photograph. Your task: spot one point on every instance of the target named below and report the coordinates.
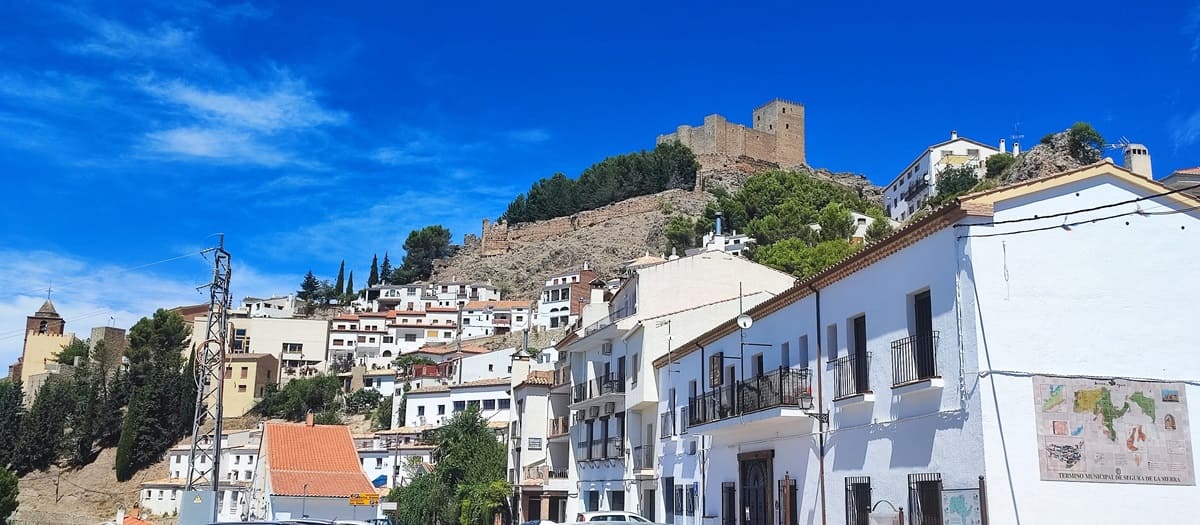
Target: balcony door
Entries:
(923, 321)
(861, 367)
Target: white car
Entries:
(611, 515)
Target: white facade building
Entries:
(298, 344)
(488, 318)
(918, 181)
(563, 297)
(239, 455)
(983, 355)
(280, 306)
(613, 404)
(434, 405)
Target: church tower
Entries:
(45, 321)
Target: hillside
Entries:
(518, 257)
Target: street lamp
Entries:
(304, 502)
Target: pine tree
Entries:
(11, 414)
(385, 271)
(339, 285)
(42, 430)
(8, 494)
(373, 277)
(309, 287)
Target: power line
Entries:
(1083, 210)
(107, 273)
(1068, 225)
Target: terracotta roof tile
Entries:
(322, 457)
(498, 305)
(539, 377)
(1189, 171)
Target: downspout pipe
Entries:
(822, 421)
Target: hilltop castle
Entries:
(776, 135)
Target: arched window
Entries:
(42, 327)
(387, 353)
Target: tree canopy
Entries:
(317, 393)
(161, 392)
(954, 181)
(422, 247)
(8, 494)
(467, 484)
(669, 165)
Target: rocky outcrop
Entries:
(1050, 157)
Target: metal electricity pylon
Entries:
(210, 374)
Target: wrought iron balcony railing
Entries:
(785, 387)
(851, 376)
(914, 358)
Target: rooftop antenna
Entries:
(1121, 144)
(1017, 135)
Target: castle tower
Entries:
(785, 120)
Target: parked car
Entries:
(611, 515)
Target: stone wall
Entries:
(501, 237)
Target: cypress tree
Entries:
(42, 430)
(339, 284)
(82, 420)
(187, 397)
(129, 426)
(373, 277)
(108, 422)
(350, 285)
(11, 412)
(385, 271)
(8, 494)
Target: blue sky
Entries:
(311, 133)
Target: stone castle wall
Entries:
(776, 136)
(501, 237)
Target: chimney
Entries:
(954, 134)
(717, 227)
(120, 515)
(1003, 146)
(1016, 148)
(308, 419)
(586, 266)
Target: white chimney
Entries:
(586, 266)
(1016, 148)
(954, 134)
(1003, 146)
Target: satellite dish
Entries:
(744, 321)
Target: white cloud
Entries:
(1185, 131)
(113, 39)
(89, 293)
(286, 104)
(216, 144)
(530, 136)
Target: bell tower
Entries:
(45, 321)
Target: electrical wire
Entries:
(107, 273)
(1083, 210)
(1067, 226)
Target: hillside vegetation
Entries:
(667, 166)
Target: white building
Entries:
(563, 297)
(239, 455)
(613, 404)
(432, 406)
(542, 485)
(488, 318)
(986, 354)
(298, 344)
(389, 459)
(280, 306)
(718, 239)
(909, 190)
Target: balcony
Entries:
(914, 359)
(562, 376)
(666, 424)
(611, 318)
(558, 427)
(613, 384)
(785, 388)
(614, 448)
(851, 376)
(643, 458)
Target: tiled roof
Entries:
(441, 309)
(318, 460)
(539, 377)
(431, 389)
(452, 349)
(491, 381)
(346, 317)
(1189, 171)
(497, 305)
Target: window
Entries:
(410, 337)
(378, 462)
(802, 350)
(858, 500)
(444, 334)
(421, 410)
(593, 500)
(491, 367)
(504, 403)
(173, 493)
(338, 342)
(160, 495)
(245, 372)
(757, 363)
(831, 341)
(441, 410)
(729, 503)
(633, 369)
(616, 500)
(520, 318)
(925, 498)
(241, 388)
(293, 347)
(459, 406)
(362, 338)
(229, 372)
(785, 355)
(535, 443)
(489, 404)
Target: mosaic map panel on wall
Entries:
(1112, 431)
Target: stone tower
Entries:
(45, 321)
(785, 120)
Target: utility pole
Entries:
(210, 381)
